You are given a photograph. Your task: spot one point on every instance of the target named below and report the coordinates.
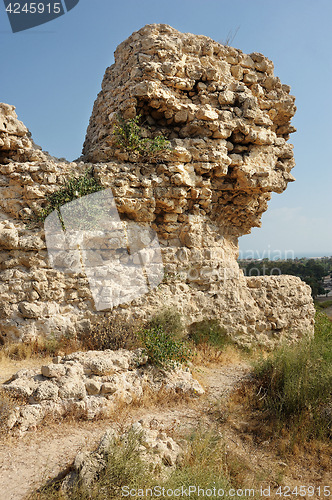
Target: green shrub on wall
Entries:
(73, 189)
(129, 137)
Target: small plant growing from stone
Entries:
(230, 37)
(171, 277)
(73, 189)
(129, 137)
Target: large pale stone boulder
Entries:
(73, 383)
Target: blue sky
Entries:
(52, 74)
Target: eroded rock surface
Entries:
(90, 383)
(228, 119)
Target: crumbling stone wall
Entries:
(91, 383)
(228, 119)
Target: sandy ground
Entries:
(8, 366)
(27, 462)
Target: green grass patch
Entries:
(210, 332)
(295, 383)
(323, 305)
(163, 339)
(202, 465)
(163, 349)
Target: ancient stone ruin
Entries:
(90, 384)
(228, 119)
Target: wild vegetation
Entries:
(287, 403)
(321, 306)
(210, 333)
(73, 188)
(131, 138)
(202, 463)
(295, 384)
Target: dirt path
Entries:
(27, 462)
(328, 311)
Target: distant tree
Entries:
(309, 270)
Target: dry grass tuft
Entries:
(202, 463)
(239, 469)
(209, 355)
(40, 348)
(112, 333)
(164, 398)
(8, 403)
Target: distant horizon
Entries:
(281, 254)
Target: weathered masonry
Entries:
(228, 119)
